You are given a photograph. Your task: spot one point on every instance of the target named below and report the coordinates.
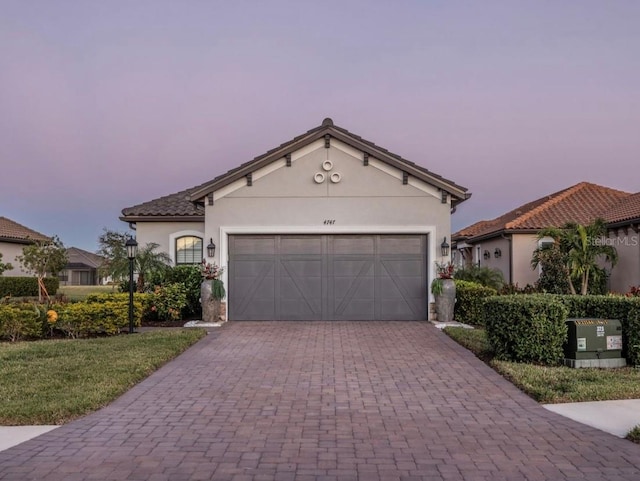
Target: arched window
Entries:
(188, 250)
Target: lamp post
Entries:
(132, 250)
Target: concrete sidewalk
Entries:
(615, 417)
(13, 435)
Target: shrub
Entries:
(20, 321)
(626, 309)
(526, 328)
(26, 286)
(191, 278)
(99, 314)
(166, 302)
(470, 298)
(481, 275)
(509, 289)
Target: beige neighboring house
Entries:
(326, 226)
(13, 237)
(623, 221)
(81, 269)
(507, 242)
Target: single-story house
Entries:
(507, 242)
(13, 237)
(326, 226)
(623, 221)
(81, 269)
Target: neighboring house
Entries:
(623, 221)
(81, 269)
(13, 237)
(325, 226)
(507, 242)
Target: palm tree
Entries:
(116, 264)
(148, 261)
(581, 248)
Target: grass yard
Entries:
(55, 381)
(554, 384)
(79, 293)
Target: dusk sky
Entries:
(108, 104)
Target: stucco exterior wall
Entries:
(365, 199)
(164, 233)
(9, 253)
(523, 247)
(501, 262)
(626, 272)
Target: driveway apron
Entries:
(324, 401)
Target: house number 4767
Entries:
(329, 221)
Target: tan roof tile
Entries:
(12, 231)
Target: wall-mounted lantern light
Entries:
(444, 248)
(211, 248)
(497, 253)
(486, 254)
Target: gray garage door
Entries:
(323, 277)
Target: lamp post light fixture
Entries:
(444, 248)
(211, 248)
(132, 250)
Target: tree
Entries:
(44, 257)
(113, 250)
(6, 266)
(149, 261)
(581, 248)
(554, 278)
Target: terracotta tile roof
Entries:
(626, 209)
(12, 231)
(582, 203)
(180, 204)
(174, 205)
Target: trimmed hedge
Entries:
(528, 329)
(626, 309)
(470, 298)
(520, 328)
(20, 321)
(26, 286)
(99, 314)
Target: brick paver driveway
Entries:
(324, 401)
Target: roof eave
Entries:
(457, 192)
(162, 218)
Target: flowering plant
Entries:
(445, 270)
(211, 271)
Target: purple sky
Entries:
(104, 105)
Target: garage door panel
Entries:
(343, 277)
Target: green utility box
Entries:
(594, 343)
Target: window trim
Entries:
(173, 237)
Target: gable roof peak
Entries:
(327, 122)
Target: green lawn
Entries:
(79, 293)
(554, 384)
(54, 381)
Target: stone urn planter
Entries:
(213, 309)
(445, 299)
